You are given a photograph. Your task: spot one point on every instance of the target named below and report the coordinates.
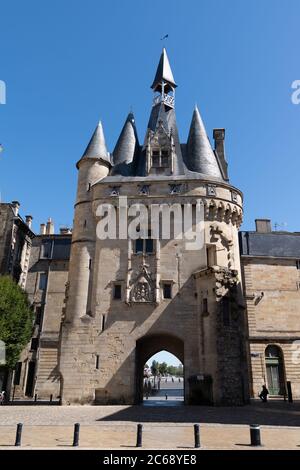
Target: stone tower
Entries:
(129, 297)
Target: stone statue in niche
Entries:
(142, 289)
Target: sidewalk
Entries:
(155, 436)
(163, 427)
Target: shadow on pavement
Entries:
(272, 413)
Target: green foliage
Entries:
(164, 369)
(154, 368)
(16, 319)
(177, 371)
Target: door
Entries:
(273, 377)
(30, 379)
(275, 372)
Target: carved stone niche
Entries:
(142, 289)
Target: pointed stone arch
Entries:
(149, 345)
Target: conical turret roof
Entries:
(126, 149)
(200, 155)
(97, 147)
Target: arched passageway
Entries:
(146, 348)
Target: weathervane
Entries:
(165, 37)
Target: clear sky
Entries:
(164, 356)
(67, 63)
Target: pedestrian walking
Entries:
(264, 394)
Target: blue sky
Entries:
(68, 63)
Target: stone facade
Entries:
(271, 267)
(107, 338)
(15, 242)
(15, 247)
(37, 372)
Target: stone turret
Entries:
(93, 166)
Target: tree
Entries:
(154, 368)
(163, 368)
(16, 319)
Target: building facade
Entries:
(271, 267)
(15, 247)
(15, 242)
(37, 371)
(130, 298)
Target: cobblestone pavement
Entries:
(168, 428)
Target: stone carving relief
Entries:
(217, 236)
(144, 189)
(115, 191)
(211, 190)
(142, 289)
(234, 196)
(175, 188)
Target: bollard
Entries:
(35, 398)
(51, 398)
(19, 434)
(255, 435)
(197, 435)
(289, 391)
(76, 435)
(139, 437)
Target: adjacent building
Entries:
(37, 372)
(15, 242)
(15, 245)
(271, 277)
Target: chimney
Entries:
(263, 225)
(50, 227)
(16, 207)
(219, 138)
(43, 229)
(65, 231)
(28, 220)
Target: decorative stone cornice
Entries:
(222, 211)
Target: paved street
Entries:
(170, 394)
(164, 427)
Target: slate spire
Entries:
(163, 73)
(200, 155)
(96, 147)
(126, 149)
